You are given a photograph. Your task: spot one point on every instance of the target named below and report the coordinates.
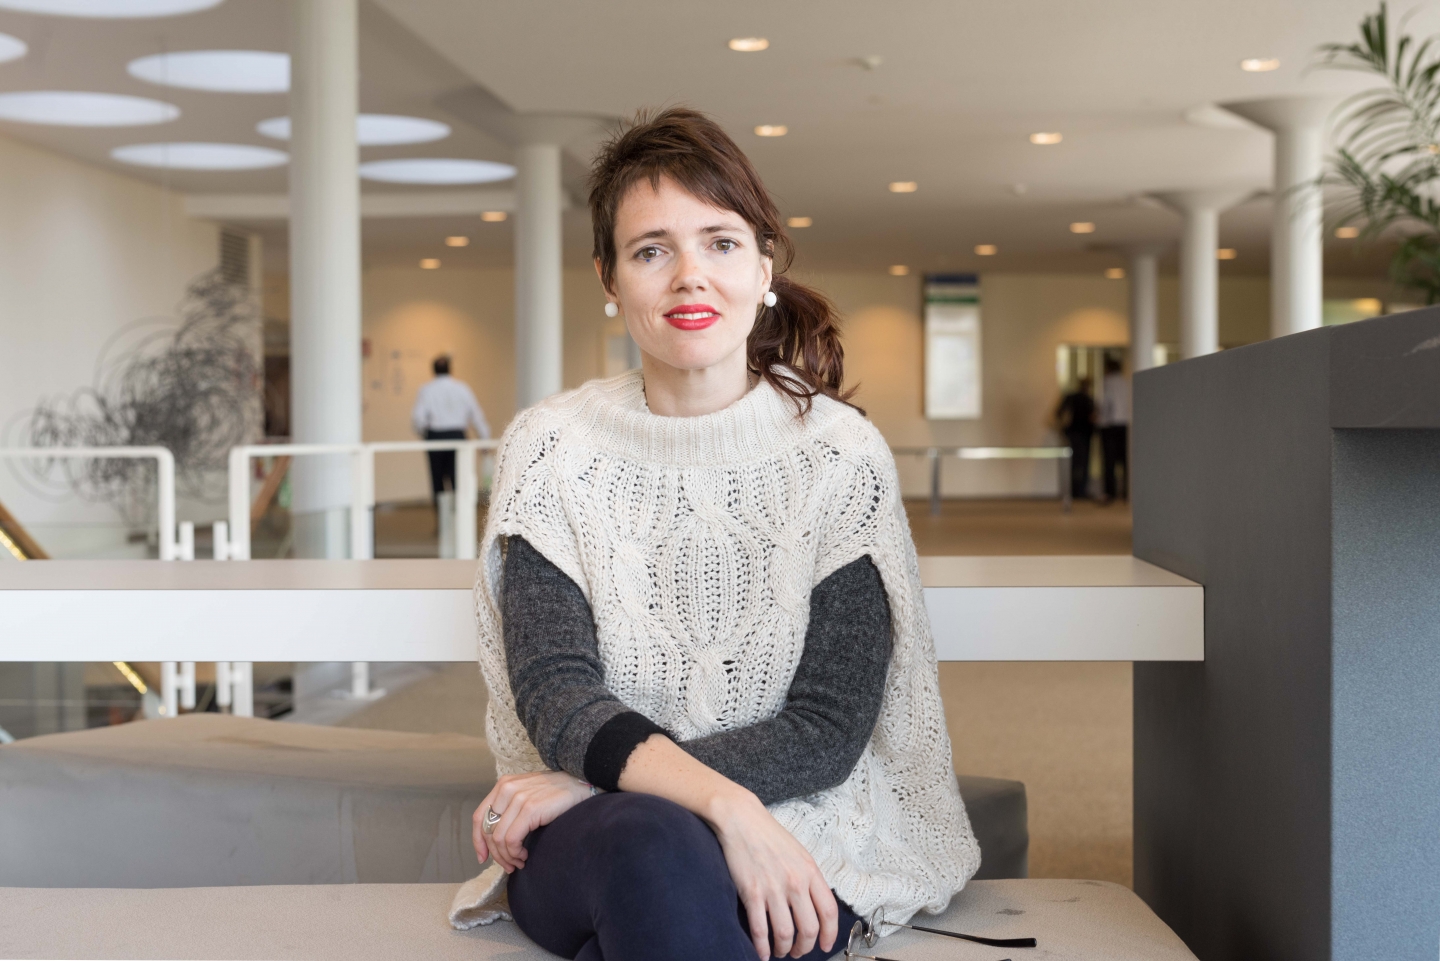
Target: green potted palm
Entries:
(1387, 155)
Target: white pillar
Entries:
(1199, 271)
(539, 325)
(1297, 240)
(1144, 300)
(324, 266)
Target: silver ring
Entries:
(491, 819)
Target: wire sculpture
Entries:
(194, 389)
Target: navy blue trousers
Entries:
(633, 877)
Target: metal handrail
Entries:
(234, 543)
(362, 488)
(936, 452)
(164, 479)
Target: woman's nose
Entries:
(688, 272)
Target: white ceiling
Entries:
(961, 86)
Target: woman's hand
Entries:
(524, 803)
(776, 877)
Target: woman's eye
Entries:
(648, 254)
(725, 245)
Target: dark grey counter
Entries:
(1287, 789)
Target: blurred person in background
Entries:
(1076, 417)
(443, 409)
(1114, 431)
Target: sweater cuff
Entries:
(612, 746)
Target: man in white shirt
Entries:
(443, 409)
(1114, 430)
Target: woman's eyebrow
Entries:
(655, 234)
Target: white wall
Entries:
(84, 253)
(469, 313)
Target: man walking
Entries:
(1114, 431)
(443, 409)
(1076, 415)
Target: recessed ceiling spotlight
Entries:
(457, 241)
(1347, 233)
(71, 108)
(109, 9)
(1082, 227)
(1115, 273)
(903, 187)
(430, 263)
(985, 250)
(1226, 253)
(799, 222)
(494, 216)
(771, 130)
(749, 44)
(200, 156)
(899, 270)
(218, 71)
(11, 48)
(1259, 64)
(1046, 139)
(373, 129)
(435, 170)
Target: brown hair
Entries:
(794, 345)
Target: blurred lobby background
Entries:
(195, 253)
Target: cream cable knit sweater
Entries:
(697, 542)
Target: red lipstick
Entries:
(692, 316)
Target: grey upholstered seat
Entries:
(209, 799)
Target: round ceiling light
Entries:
(200, 156)
(1083, 227)
(434, 170)
(11, 48)
(110, 9)
(1046, 138)
(749, 44)
(373, 129)
(220, 71)
(1259, 64)
(985, 250)
(771, 130)
(799, 223)
(903, 187)
(70, 108)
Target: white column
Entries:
(1144, 299)
(324, 266)
(1297, 238)
(1199, 271)
(539, 323)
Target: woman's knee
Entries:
(642, 837)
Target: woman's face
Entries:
(689, 277)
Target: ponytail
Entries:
(795, 345)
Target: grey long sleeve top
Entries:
(579, 726)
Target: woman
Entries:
(714, 702)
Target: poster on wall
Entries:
(952, 347)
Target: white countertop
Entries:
(981, 608)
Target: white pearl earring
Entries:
(612, 309)
(769, 298)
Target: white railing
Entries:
(177, 679)
(936, 453)
(164, 479)
(234, 543)
(362, 489)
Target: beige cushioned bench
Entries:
(209, 800)
(1073, 920)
